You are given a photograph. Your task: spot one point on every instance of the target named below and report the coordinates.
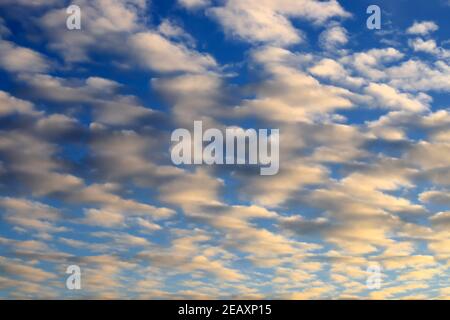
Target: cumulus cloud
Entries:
(335, 71)
(157, 53)
(289, 95)
(10, 105)
(333, 37)
(14, 58)
(268, 21)
(388, 97)
(416, 75)
(371, 64)
(422, 28)
(428, 46)
(102, 19)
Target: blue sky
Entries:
(86, 177)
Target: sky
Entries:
(86, 176)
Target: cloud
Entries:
(275, 190)
(4, 31)
(157, 53)
(25, 271)
(10, 105)
(103, 195)
(103, 218)
(268, 21)
(303, 226)
(30, 215)
(335, 71)
(95, 91)
(430, 155)
(422, 28)
(126, 154)
(123, 239)
(363, 215)
(388, 97)
(393, 291)
(172, 30)
(428, 46)
(289, 95)
(189, 254)
(370, 64)
(441, 220)
(192, 190)
(30, 159)
(98, 24)
(415, 75)
(147, 225)
(85, 170)
(333, 37)
(435, 197)
(14, 58)
(194, 4)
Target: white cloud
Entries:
(289, 95)
(172, 30)
(194, 96)
(155, 52)
(268, 21)
(333, 37)
(19, 59)
(422, 28)
(106, 25)
(388, 97)
(428, 46)
(416, 75)
(333, 70)
(194, 4)
(95, 91)
(371, 64)
(351, 180)
(430, 155)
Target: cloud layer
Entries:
(85, 171)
